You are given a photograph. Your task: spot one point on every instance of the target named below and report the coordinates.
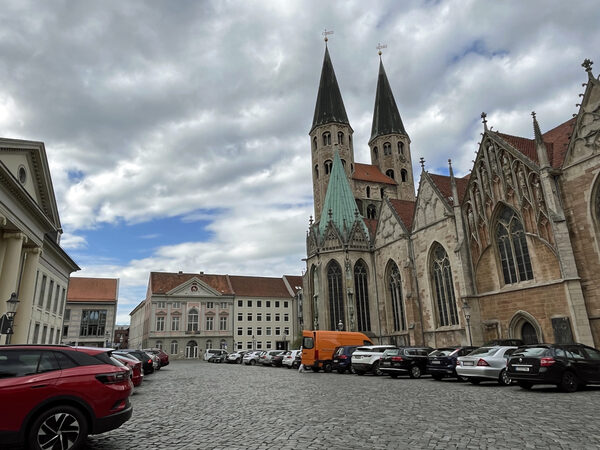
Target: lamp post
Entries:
(284, 341)
(467, 312)
(121, 341)
(253, 343)
(7, 320)
(340, 325)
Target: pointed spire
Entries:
(330, 106)
(539, 143)
(340, 202)
(455, 198)
(386, 118)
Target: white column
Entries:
(26, 293)
(10, 267)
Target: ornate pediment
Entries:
(358, 239)
(331, 238)
(194, 287)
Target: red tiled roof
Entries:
(556, 140)
(444, 184)
(92, 290)
(163, 282)
(294, 281)
(368, 172)
(406, 210)
(371, 225)
(259, 286)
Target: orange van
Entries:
(318, 346)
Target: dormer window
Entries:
(328, 166)
(390, 173)
(401, 148)
(340, 137)
(387, 148)
(327, 138)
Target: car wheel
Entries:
(359, 372)
(63, 427)
(352, 371)
(504, 378)
(315, 369)
(341, 371)
(415, 372)
(437, 377)
(569, 382)
(376, 370)
(252, 362)
(474, 380)
(525, 384)
(327, 368)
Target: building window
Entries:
(371, 211)
(67, 314)
(286, 304)
(286, 331)
(362, 297)
(387, 148)
(249, 345)
(327, 138)
(375, 153)
(223, 305)
(209, 344)
(277, 304)
(176, 305)
(249, 315)
(175, 323)
(336, 299)
(381, 192)
(444, 287)
(368, 192)
(249, 331)
(51, 339)
(240, 317)
(240, 303)
(158, 345)
(315, 143)
(258, 317)
(223, 344)
(268, 303)
(395, 292)
(268, 318)
(44, 332)
(403, 175)
(65, 332)
(277, 317)
(259, 331)
(62, 299)
(222, 323)
(161, 305)
(240, 346)
(93, 322)
(160, 324)
(36, 333)
(401, 148)
(193, 320)
(316, 171)
(209, 323)
(268, 331)
(340, 137)
(240, 331)
(512, 248)
(269, 344)
(259, 345)
(277, 331)
(174, 348)
(49, 300)
(328, 166)
(210, 305)
(42, 291)
(56, 299)
(286, 317)
(390, 173)
(259, 303)
(249, 303)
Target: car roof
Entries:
(83, 349)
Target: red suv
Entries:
(60, 394)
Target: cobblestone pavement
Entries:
(198, 405)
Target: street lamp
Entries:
(284, 341)
(340, 325)
(253, 343)
(467, 312)
(8, 319)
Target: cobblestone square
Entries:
(198, 405)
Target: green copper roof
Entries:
(340, 201)
(386, 118)
(330, 106)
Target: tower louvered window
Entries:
(401, 148)
(390, 173)
(327, 138)
(340, 137)
(336, 295)
(403, 175)
(443, 288)
(512, 248)
(387, 148)
(395, 292)
(328, 166)
(362, 297)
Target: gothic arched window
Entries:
(362, 297)
(193, 320)
(512, 248)
(315, 143)
(401, 148)
(328, 165)
(317, 171)
(390, 173)
(371, 211)
(327, 138)
(403, 175)
(394, 283)
(445, 302)
(375, 151)
(340, 137)
(368, 192)
(387, 148)
(343, 163)
(336, 295)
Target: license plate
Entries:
(435, 362)
(522, 369)
(467, 363)
(336, 360)
(386, 363)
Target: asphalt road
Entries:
(198, 405)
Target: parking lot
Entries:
(198, 405)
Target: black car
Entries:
(569, 366)
(504, 343)
(277, 360)
(146, 359)
(441, 362)
(405, 360)
(342, 358)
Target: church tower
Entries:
(330, 131)
(389, 142)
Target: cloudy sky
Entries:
(177, 132)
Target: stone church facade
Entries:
(511, 250)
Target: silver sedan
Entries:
(486, 363)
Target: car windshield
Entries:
(308, 342)
(442, 352)
(483, 351)
(532, 351)
(392, 352)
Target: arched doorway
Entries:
(524, 326)
(528, 334)
(191, 349)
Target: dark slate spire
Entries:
(330, 106)
(386, 118)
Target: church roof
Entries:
(371, 225)
(104, 290)
(368, 172)
(444, 184)
(259, 286)
(386, 118)
(405, 210)
(163, 282)
(339, 199)
(330, 106)
(556, 141)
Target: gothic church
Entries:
(512, 250)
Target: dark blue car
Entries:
(342, 358)
(442, 361)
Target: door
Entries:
(528, 334)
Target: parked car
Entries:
(318, 346)
(366, 359)
(568, 366)
(60, 394)
(135, 366)
(251, 358)
(218, 357)
(235, 358)
(442, 361)
(277, 360)
(210, 352)
(404, 360)
(162, 356)
(486, 363)
(342, 358)
(147, 361)
(292, 359)
(266, 358)
(504, 342)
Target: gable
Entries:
(390, 227)
(431, 206)
(194, 287)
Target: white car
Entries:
(289, 360)
(213, 352)
(235, 358)
(251, 358)
(485, 363)
(366, 358)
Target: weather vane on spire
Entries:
(326, 33)
(380, 47)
